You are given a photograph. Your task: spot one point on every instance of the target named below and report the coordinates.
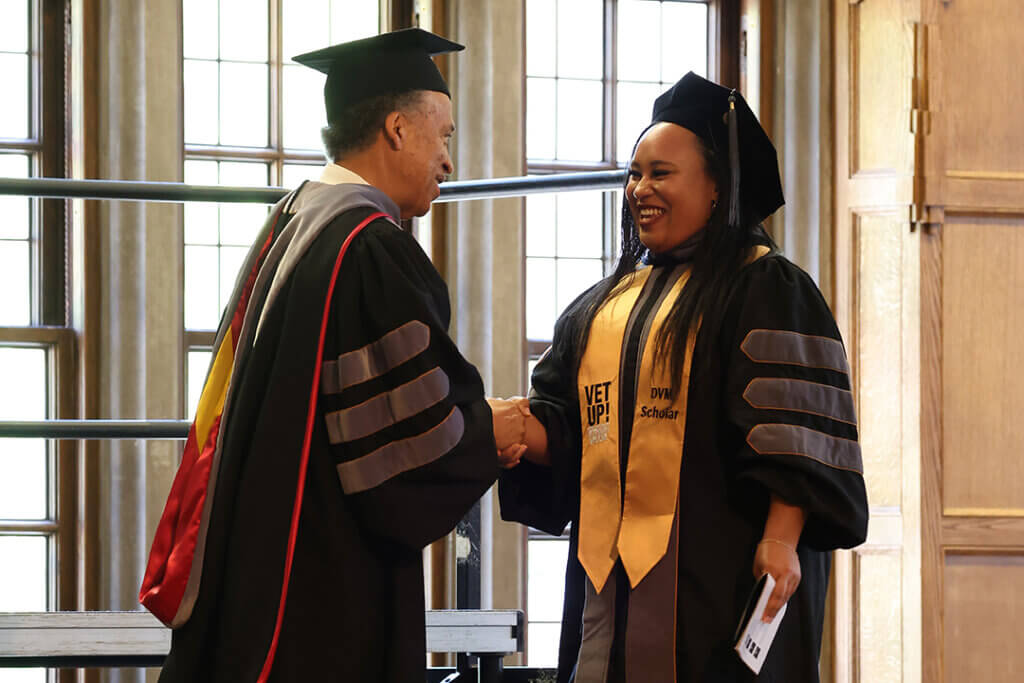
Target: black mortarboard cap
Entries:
(390, 63)
(722, 119)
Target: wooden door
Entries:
(877, 586)
(972, 284)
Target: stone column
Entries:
(139, 137)
(486, 241)
(803, 128)
(804, 125)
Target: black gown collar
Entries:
(675, 256)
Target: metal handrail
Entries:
(96, 429)
(110, 639)
(136, 190)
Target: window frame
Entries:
(47, 147)
(538, 536)
(398, 14)
(723, 66)
(59, 524)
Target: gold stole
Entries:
(639, 534)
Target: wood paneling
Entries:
(879, 655)
(983, 355)
(929, 166)
(973, 142)
(931, 455)
(877, 287)
(879, 290)
(881, 46)
(984, 608)
(982, 193)
(981, 84)
(985, 532)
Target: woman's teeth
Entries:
(648, 213)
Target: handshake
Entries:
(510, 426)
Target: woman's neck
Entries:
(681, 253)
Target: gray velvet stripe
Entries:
(598, 631)
(394, 348)
(784, 439)
(775, 393)
(373, 469)
(388, 408)
(793, 348)
(651, 622)
(315, 207)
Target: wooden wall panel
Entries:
(881, 62)
(984, 608)
(879, 655)
(981, 86)
(982, 363)
(986, 532)
(877, 624)
(878, 359)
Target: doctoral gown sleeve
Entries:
(546, 497)
(788, 392)
(410, 434)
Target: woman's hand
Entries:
(781, 561)
(509, 457)
(776, 553)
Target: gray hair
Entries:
(355, 128)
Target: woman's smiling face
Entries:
(669, 191)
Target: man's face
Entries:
(425, 162)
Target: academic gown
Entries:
(777, 336)
(400, 446)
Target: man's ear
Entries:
(396, 128)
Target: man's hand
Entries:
(509, 422)
(781, 561)
(518, 433)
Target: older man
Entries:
(340, 430)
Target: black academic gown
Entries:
(724, 485)
(354, 606)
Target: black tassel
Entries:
(734, 162)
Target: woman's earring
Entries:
(714, 204)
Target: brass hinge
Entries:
(919, 95)
(920, 119)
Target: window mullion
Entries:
(276, 8)
(50, 87)
(610, 70)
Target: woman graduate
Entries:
(692, 419)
